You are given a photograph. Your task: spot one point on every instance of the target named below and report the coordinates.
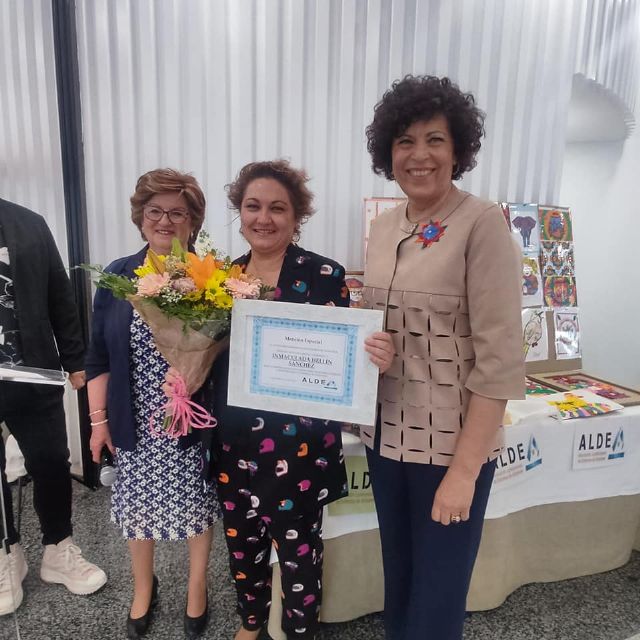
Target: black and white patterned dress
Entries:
(158, 493)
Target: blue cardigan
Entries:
(109, 353)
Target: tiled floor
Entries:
(600, 607)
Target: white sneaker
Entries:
(13, 569)
(63, 563)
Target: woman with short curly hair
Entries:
(422, 98)
(443, 268)
(292, 179)
(157, 493)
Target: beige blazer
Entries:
(454, 311)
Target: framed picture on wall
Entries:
(572, 380)
(555, 224)
(523, 220)
(355, 282)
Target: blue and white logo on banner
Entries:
(534, 458)
(595, 445)
(521, 455)
(617, 450)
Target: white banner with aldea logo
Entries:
(549, 461)
(598, 445)
(544, 461)
(521, 458)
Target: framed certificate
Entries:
(306, 360)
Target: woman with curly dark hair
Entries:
(446, 273)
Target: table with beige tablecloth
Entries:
(547, 520)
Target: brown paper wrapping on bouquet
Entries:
(190, 352)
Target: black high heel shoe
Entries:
(137, 627)
(194, 627)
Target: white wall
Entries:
(30, 161)
(208, 85)
(601, 183)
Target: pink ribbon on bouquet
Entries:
(180, 414)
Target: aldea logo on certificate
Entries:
(520, 457)
(596, 445)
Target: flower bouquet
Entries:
(186, 299)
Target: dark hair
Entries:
(416, 98)
(168, 181)
(292, 179)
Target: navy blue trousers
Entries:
(427, 566)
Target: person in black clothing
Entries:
(275, 472)
(39, 327)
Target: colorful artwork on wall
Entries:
(555, 224)
(531, 280)
(556, 258)
(525, 227)
(355, 282)
(534, 335)
(560, 291)
(567, 333)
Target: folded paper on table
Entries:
(34, 375)
(530, 408)
(581, 403)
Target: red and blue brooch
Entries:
(431, 232)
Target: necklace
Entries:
(268, 275)
(433, 230)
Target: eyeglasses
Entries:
(155, 213)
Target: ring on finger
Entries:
(456, 518)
